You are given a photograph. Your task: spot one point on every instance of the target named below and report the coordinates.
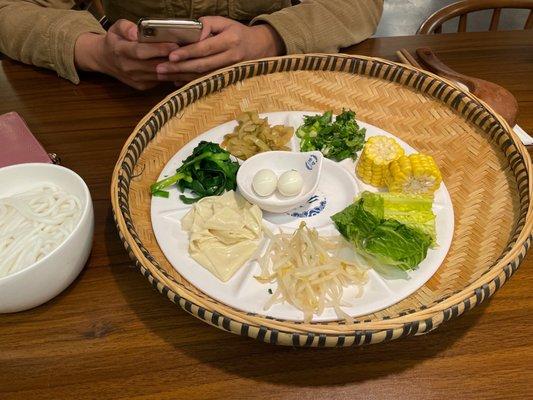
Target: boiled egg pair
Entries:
(289, 184)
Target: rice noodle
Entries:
(309, 272)
(33, 224)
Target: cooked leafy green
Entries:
(208, 171)
(380, 239)
(337, 140)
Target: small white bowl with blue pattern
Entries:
(308, 164)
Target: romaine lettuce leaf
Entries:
(380, 239)
(415, 211)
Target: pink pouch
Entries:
(17, 143)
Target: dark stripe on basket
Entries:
(352, 67)
(448, 95)
(364, 66)
(395, 74)
(231, 76)
(479, 295)
(282, 65)
(497, 283)
(334, 64)
(274, 66)
(273, 336)
(262, 333)
(406, 329)
(244, 329)
(417, 79)
(484, 120)
(457, 101)
(478, 113)
(343, 64)
(173, 107)
(438, 90)
(455, 310)
(188, 306)
(379, 69)
(310, 339)
(214, 317)
(248, 72)
(164, 109)
(388, 335)
(494, 125)
(327, 64)
(315, 63)
(368, 337)
(340, 340)
(486, 291)
(428, 325)
(467, 304)
(295, 339)
(387, 71)
(321, 340)
(515, 159)
(306, 62)
(201, 313)
(373, 69)
(226, 324)
(470, 108)
(260, 68)
(409, 77)
(238, 73)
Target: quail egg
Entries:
(264, 182)
(290, 183)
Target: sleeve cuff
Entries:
(63, 36)
(287, 25)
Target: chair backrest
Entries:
(433, 24)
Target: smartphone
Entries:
(180, 31)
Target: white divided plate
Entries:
(337, 188)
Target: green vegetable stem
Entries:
(208, 171)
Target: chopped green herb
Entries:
(337, 140)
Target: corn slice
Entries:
(378, 153)
(414, 174)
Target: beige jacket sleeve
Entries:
(324, 26)
(44, 32)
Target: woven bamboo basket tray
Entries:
(485, 167)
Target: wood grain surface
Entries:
(111, 336)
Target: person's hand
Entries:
(119, 54)
(223, 42)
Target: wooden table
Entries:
(110, 335)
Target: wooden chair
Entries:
(433, 24)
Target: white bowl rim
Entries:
(289, 201)
(84, 212)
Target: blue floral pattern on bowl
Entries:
(315, 209)
(311, 162)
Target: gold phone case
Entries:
(180, 31)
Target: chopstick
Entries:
(407, 58)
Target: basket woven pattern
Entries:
(486, 170)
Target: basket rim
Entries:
(464, 299)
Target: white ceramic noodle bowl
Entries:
(308, 164)
(49, 276)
